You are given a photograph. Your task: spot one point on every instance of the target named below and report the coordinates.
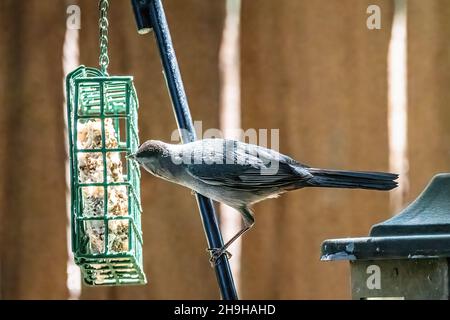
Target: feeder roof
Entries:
(421, 230)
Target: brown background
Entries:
(310, 68)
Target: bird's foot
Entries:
(216, 253)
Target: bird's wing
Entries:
(246, 167)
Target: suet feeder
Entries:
(405, 257)
(105, 191)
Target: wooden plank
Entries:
(32, 183)
(428, 92)
(314, 70)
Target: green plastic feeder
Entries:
(105, 190)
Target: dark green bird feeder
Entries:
(105, 191)
(405, 257)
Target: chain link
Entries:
(103, 26)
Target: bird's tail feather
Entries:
(352, 179)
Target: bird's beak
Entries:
(131, 156)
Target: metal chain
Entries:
(103, 25)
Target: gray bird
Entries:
(240, 174)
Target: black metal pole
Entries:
(150, 14)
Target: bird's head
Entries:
(149, 154)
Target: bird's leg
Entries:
(216, 253)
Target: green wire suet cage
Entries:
(105, 184)
(106, 209)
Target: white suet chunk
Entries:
(91, 170)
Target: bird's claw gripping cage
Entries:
(106, 221)
(105, 192)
